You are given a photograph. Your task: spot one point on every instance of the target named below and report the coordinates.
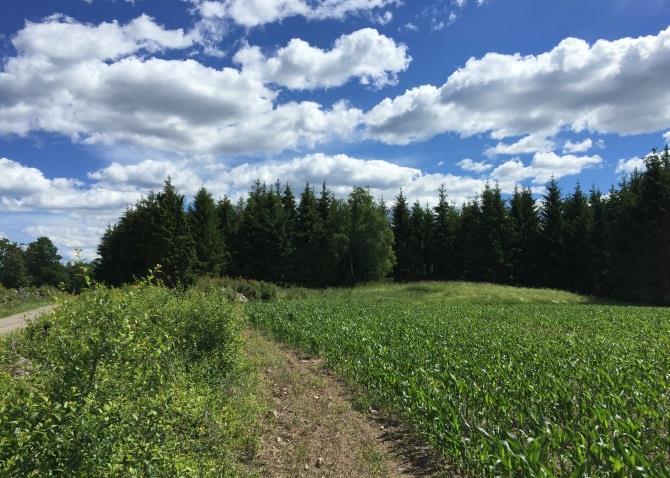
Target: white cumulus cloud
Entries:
(542, 168)
(373, 58)
(468, 164)
(609, 87)
(579, 147)
(23, 188)
(62, 39)
(531, 143)
(103, 93)
(252, 13)
(627, 166)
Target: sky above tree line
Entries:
(100, 100)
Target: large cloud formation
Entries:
(365, 54)
(109, 92)
(115, 87)
(615, 86)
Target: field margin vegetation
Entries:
(137, 381)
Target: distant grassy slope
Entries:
(7, 310)
(13, 301)
(441, 293)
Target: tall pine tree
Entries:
(400, 224)
(370, 237)
(468, 242)
(600, 254)
(525, 237)
(228, 221)
(445, 223)
(552, 241)
(419, 242)
(495, 237)
(154, 232)
(578, 247)
(209, 242)
(310, 232)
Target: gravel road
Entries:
(19, 321)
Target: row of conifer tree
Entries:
(615, 244)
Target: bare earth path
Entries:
(310, 429)
(19, 321)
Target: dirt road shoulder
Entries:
(19, 321)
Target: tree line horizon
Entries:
(614, 246)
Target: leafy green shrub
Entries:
(26, 294)
(129, 382)
(250, 289)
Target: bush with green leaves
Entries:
(139, 381)
(230, 287)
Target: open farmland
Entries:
(504, 390)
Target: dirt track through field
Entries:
(19, 321)
(310, 429)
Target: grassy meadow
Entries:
(438, 293)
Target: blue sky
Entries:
(101, 99)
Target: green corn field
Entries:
(504, 390)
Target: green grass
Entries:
(439, 293)
(500, 390)
(14, 301)
(7, 310)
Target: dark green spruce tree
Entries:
(370, 237)
(653, 218)
(261, 240)
(228, 220)
(336, 249)
(468, 246)
(419, 242)
(309, 246)
(495, 240)
(445, 224)
(174, 239)
(640, 216)
(288, 249)
(552, 238)
(600, 228)
(579, 254)
(400, 224)
(203, 219)
(154, 232)
(524, 237)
